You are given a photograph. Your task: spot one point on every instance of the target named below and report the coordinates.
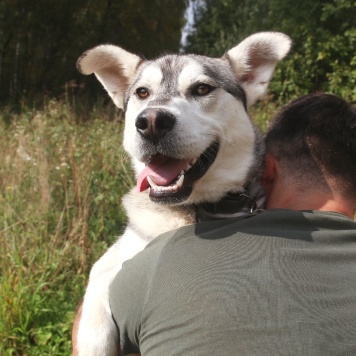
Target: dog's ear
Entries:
(254, 59)
(113, 66)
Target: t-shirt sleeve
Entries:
(129, 290)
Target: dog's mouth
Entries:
(170, 179)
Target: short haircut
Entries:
(314, 138)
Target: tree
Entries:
(41, 40)
(323, 32)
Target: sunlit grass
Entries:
(60, 188)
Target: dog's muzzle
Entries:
(171, 180)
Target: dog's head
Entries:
(187, 128)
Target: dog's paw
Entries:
(97, 334)
(97, 343)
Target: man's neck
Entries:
(321, 201)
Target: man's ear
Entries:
(269, 175)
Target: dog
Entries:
(195, 152)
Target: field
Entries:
(62, 177)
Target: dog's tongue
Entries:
(162, 170)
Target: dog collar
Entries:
(234, 204)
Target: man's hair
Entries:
(314, 138)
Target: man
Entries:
(279, 283)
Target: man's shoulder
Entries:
(277, 223)
(268, 223)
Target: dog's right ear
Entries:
(113, 66)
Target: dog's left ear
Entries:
(114, 67)
(254, 59)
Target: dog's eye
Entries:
(142, 93)
(202, 89)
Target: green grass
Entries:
(61, 182)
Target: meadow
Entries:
(62, 176)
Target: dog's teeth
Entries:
(151, 182)
(171, 188)
(192, 163)
(180, 181)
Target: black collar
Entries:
(246, 203)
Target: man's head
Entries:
(313, 142)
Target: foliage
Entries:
(61, 183)
(323, 32)
(40, 41)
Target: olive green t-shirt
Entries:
(280, 283)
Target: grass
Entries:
(61, 181)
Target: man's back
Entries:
(280, 283)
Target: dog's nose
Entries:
(153, 124)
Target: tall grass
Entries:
(61, 182)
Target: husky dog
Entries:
(194, 149)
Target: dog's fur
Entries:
(176, 107)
